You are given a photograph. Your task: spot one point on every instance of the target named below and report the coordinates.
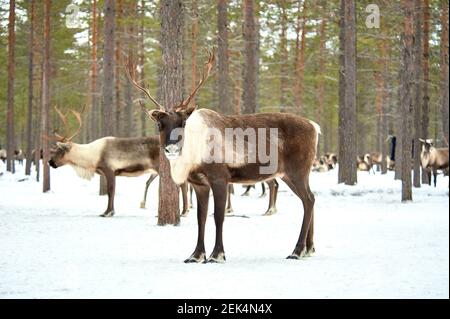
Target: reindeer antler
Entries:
(63, 117)
(131, 70)
(206, 70)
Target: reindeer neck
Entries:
(86, 155)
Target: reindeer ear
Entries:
(156, 115)
(63, 146)
(190, 109)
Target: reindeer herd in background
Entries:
(113, 156)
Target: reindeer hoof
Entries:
(142, 205)
(217, 259)
(298, 256)
(310, 251)
(184, 214)
(270, 211)
(107, 214)
(228, 211)
(196, 259)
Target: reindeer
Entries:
(273, 192)
(433, 158)
(186, 134)
(3, 155)
(363, 163)
(19, 156)
(109, 157)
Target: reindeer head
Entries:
(427, 144)
(58, 153)
(171, 123)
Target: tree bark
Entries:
(283, 56)
(426, 78)
(300, 46)
(386, 103)
(251, 58)
(46, 98)
(417, 104)
(171, 95)
(347, 107)
(321, 84)
(108, 68)
(194, 34)
(131, 36)
(30, 89)
(118, 75)
(444, 87)
(223, 84)
(108, 77)
(10, 167)
(407, 98)
(94, 100)
(143, 116)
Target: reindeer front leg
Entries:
(202, 194)
(111, 188)
(219, 189)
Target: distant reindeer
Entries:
(273, 193)
(185, 140)
(107, 156)
(19, 156)
(363, 163)
(432, 159)
(3, 155)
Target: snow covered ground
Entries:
(369, 245)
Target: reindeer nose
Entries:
(172, 151)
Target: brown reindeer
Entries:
(185, 134)
(432, 159)
(110, 157)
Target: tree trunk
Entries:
(321, 84)
(108, 77)
(444, 70)
(407, 99)
(118, 75)
(94, 100)
(251, 58)
(10, 167)
(223, 85)
(194, 34)
(418, 59)
(108, 68)
(131, 36)
(347, 106)
(426, 78)
(30, 90)
(46, 98)
(143, 117)
(386, 105)
(300, 46)
(399, 119)
(283, 56)
(171, 95)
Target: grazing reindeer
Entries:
(363, 163)
(107, 156)
(433, 158)
(186, 134)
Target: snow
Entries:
(368, 243)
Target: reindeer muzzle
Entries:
(172, 151)
(52, 164)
